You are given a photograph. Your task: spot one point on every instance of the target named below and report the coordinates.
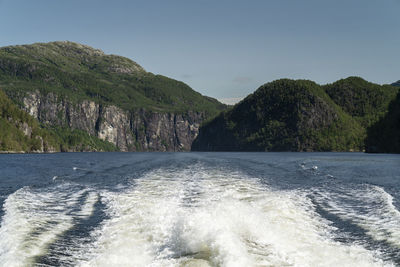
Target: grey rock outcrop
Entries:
(137, 130)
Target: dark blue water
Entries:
(200, 209)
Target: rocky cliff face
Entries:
(137, 130)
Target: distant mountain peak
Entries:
(69, 44)
(59, 52)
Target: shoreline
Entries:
(54, 152)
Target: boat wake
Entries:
(195, 216)
(215, 217)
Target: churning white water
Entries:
(35, 219)
(199, 214)
(208, 217)
(369, 207)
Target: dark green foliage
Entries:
(78, 140)
(80, 72)
(396, 83)
(287, 115)
(283, 115)
(364, 101)
(13, 123)
(384, 136)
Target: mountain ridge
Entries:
(112, 98)
(84, 73)
(77, 98)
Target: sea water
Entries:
(200, 209)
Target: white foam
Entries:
(34, 219)
(312, 168)
(208, 217)
(88, 207)
(371, 208)
(196, 216)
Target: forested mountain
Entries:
(299, 115)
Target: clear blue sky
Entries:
(223, 48)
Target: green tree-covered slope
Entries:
(384, 136)
(366, 102)
(288, 115)
(80, 72)
(20, 132)
(283, 115)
